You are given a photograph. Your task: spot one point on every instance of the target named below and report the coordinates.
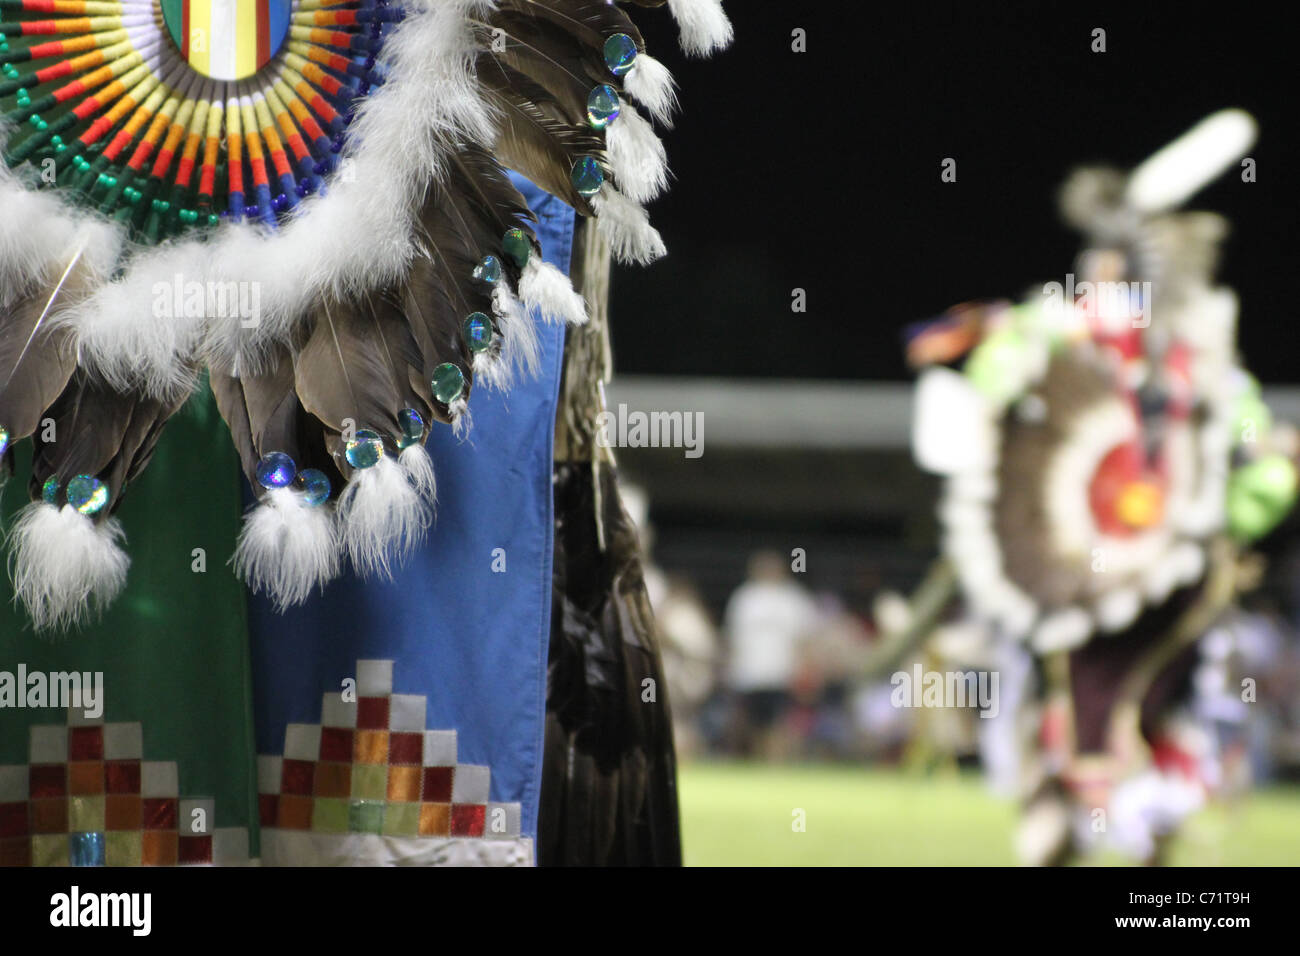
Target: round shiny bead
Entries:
(587, 177)
(275, 470)
(412, 424)
(517, 247)
(50, 490)
(620, 53)
(489, 270)
(448, 382)
(314, 485)
(87, 494)
(365, 450)
(603, 106)
(478, 332)
(4, 439)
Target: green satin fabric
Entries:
(174, 646)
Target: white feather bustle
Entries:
(382, 517)
(287, 548)
(651, 85)
(626, 227)
(636, 156)
(703, 25)
(65, 566)
(548, 290)
(518, 353)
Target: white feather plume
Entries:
(626, 226)
(418, 466)
(703, 25)
(637, 156)
(651, 85)
(548, 290)
(287, 548)
(382, 517)
(64, 566)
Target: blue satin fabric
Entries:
(472, 639)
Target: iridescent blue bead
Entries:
(50, 490)
(517, 247)
(602, 106)
(412, 425)
(489, 270)
(275, 470)
(587, 177)
(448, 382)
(87, 494)
(365, 450)
(314, 485)
(620, 53)
(478, 332)
(4, 439)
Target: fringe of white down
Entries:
(519, 352)
(382, 515)
(651, 85)
(626, 227)
(287, 548)
(637, 156)
(352, 239)
(548, 290)
(704, 27)
(65, 566)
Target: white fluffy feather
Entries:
(519, 351)
(65, 566)
(626, 227)
(548, 290)
(382, 517)
(418, 466)
(461, 420)
(287, 548)
(651, 85)
(704, 27)
(637, 156)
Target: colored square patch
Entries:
(194, 849)
(371, 746)
(48, 780)
(86, 814)
(467, 819)
(16, 851)
(123, 811)
(369, 783)
(437, 785)
(122, 776)
(159, 813)
(405, 748)
(50, 816)
(336, 744)
(297, 777)
(86, 777)
(404, 784)
(366, 816)
(50, 850)
(330, 816)
(435, 819)
(13, 819)
(85, 743)
(86, 849)
(402, 819)
(158, 848)
(372, 713)
(123, 849)
(295, 812)
(333, 780)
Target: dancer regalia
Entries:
(285, 230)
(1106, 460)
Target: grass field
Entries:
(741, 815)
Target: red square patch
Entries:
(372, 713)
(336, 744)
(160, 813)
(122, 776)
(85, 743)
(437, 785)
(48, 780)
(297, 777)
(13, 819)
(195, 849)
(406, 748)
(467, 819)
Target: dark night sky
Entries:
(821, 170)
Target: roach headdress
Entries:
(306, 201)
